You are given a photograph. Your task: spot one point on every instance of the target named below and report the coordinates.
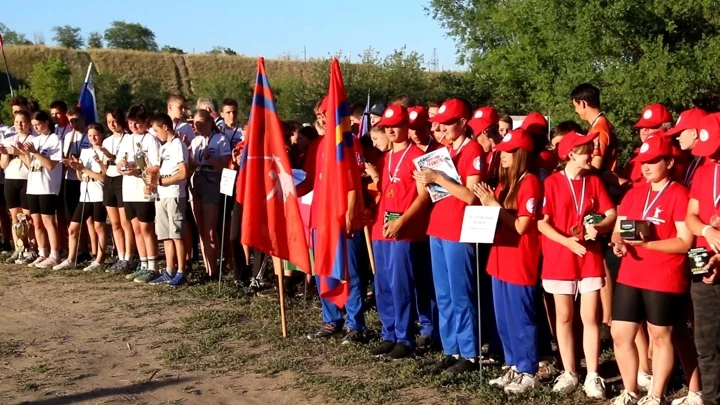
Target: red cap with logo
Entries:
(516, 139)
(708, 142)
(688, 119)
(653, 116)
(655, 146)
(394, 116)
(482, 119)
(535, 123)
(571, 140)
(418, 117)
(451, 110)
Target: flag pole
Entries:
(7, 70)
(371, 255)
(279, 271)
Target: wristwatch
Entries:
(160, 181)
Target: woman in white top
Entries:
(16, 173)
(209, 154)
(91, 172)
(42, 154)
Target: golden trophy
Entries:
(21, 228)
(142, 163)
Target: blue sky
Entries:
(268, 28)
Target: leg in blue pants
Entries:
(425, 292)
(521, 328)
(383, 291)
(403, 259)
(446, 316)
(501, 319)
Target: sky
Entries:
(269, 28)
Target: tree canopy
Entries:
(124, 35)
(68, 37)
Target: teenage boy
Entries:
(176, 111)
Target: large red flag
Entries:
(338, 170)
(271, 220)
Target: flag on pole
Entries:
(339, 174)
(1, 41)
(87, 102)
(365, 121)
(271, 220)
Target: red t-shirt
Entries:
(515, 258)
(545, 164)
(693, 166)
(633, 168)
(559, 262)
(447, 214)
(397, 196)
(702, 191)
(650, 269)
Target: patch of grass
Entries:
(30, 386)
(9, 348)
(41, 368)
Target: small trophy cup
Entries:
(141, 160)
(21, 229)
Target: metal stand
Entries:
(222, 241)
(82, 223)
(477, 278)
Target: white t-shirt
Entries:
(217, 143)
(234, 135)
(112, 144)
(172, 153)
(94, 188)
(73, 143)
(40, 180)
(16, 169)
(133, 187)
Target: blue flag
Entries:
(87, 102)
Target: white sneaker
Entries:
(66, 264)
(49, 262)
(522, 383)
(626, 398)
(594, 386)
(651, 400)
(504, 379)
(93, 266)
(644, 381)
(692, 398)
(566, 383)
(38, 260)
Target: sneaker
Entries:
(651, 400)
(46, 263)
(113, 268)
(66, 264)
(382, 349)
(400, 351)
(594, 386)
(163, 279)
(504, 379)
(423, 342)
(566, 383)
(692, 398)
(444, 364)
(177, 280)
(644, 381)
(522, 383)
(462, 366)
(137, 273)
(352, 336)
(626, 398)
(93, 266)
(145, 277)
(327, 331)
(29, 258)
(13, 259)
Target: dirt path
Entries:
(67, 340)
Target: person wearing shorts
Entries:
(42, 155)
(572, 256)
(172, 194)
(653, 280)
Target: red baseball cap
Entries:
(535, 123)
(653, 116)
(516, 139)
(655, 146)
(418, 117)
(393, 116)
(482, 119)
(708, 142)
(571, 140)
(688, 119)
(451, 110)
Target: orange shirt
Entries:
(605, 143)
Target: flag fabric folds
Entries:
(87, 102)
(271, 220)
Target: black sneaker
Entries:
(423, 343)
(353, 336)
(383, 348)
(444, 364)
(327, 331)
(401, 351)
(463, 366)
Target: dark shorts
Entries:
(112, 192)
(632, 304)
(144, 211)
(96, 210)
(15, 194)
(70, 197)
(45, 204)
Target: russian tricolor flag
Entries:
(87, 102)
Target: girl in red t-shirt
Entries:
(514, 259)
(577, 209)
(653, 280)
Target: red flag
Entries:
(1, 41)
(338, 168)
(271, 220)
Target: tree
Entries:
(68, 37)
(95, 40)
(50, 80)
(123, 35)
(170, 49)
(11, 37)
(222, 50)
